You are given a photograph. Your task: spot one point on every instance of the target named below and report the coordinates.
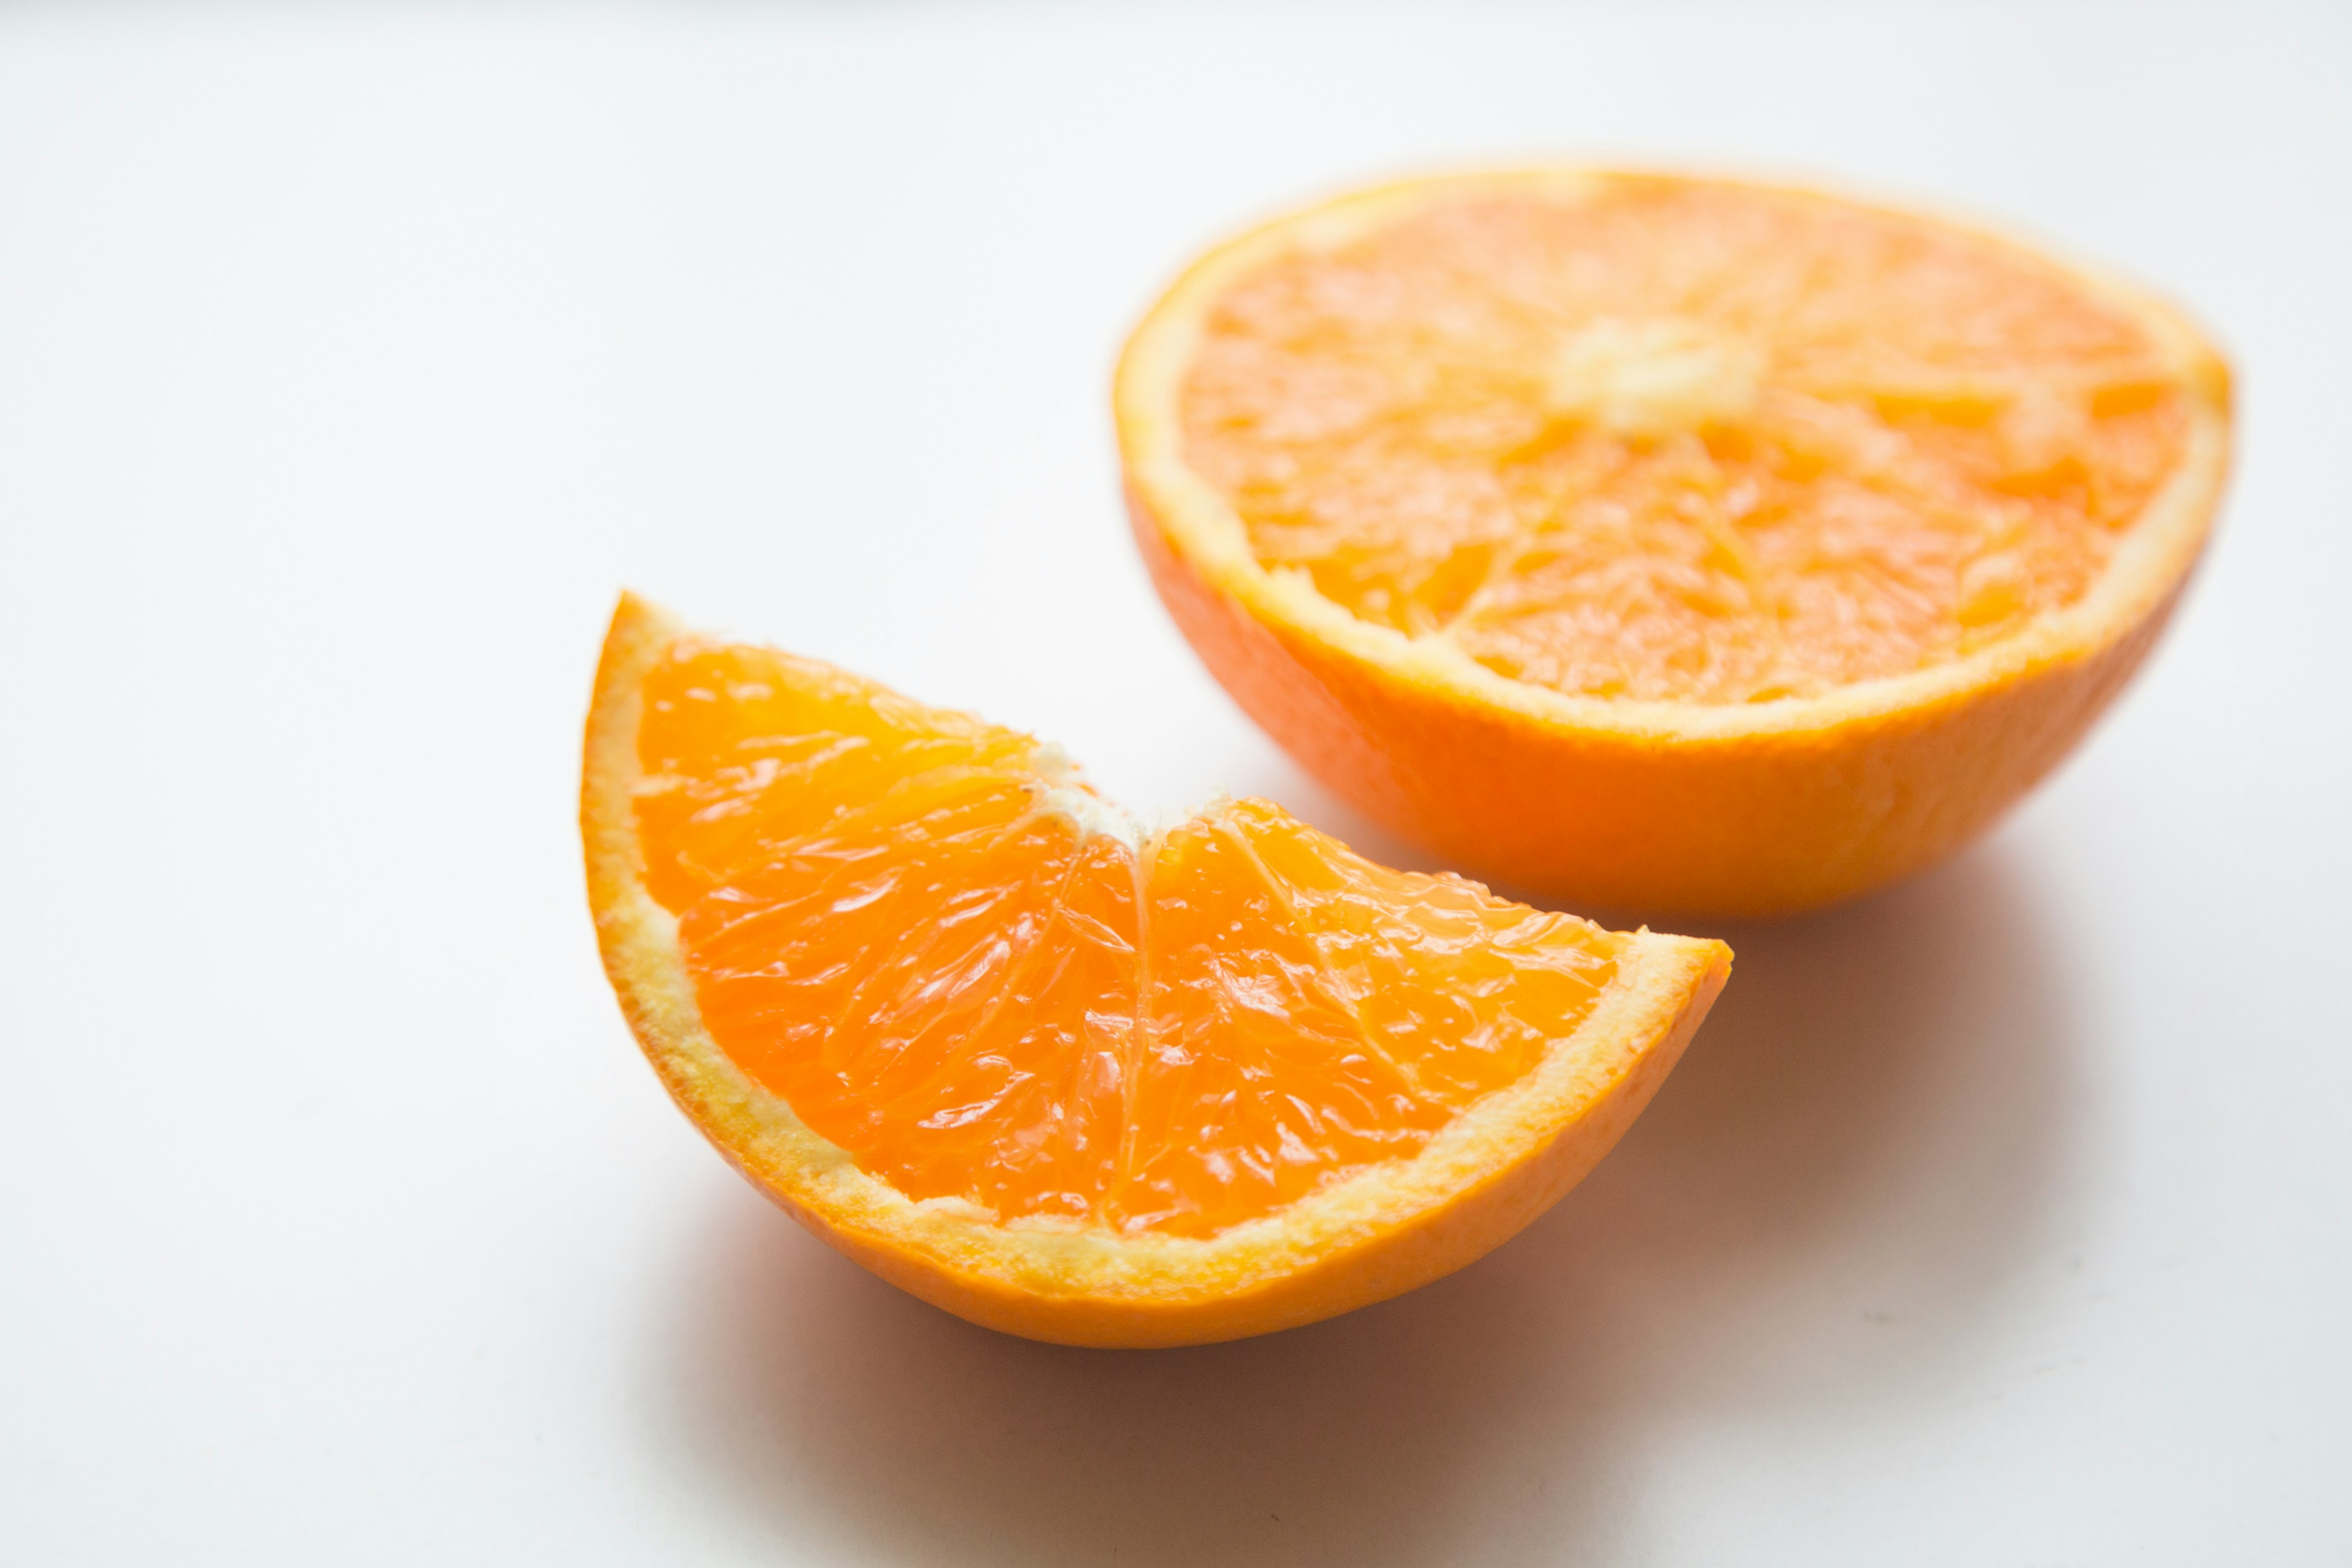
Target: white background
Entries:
(350, 362)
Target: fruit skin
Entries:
(1376, 1235)
(1758, 811)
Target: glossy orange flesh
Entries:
(895, 920)
(1674, 439)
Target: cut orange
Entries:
(1065, 1078)
(1664, 541)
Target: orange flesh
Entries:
(894, 922)
(1677, 440)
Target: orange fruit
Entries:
(1067, 1079)
(1664, 542)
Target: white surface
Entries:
(348, 367)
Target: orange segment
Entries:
(884, 931)
(1665, 541)
(963, 1017)
(1309, 1013)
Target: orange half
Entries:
(1063, 1077)
(1667, 541)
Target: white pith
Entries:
(1090, 814)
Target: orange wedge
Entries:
(1062, 1077)
(1664, 542)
